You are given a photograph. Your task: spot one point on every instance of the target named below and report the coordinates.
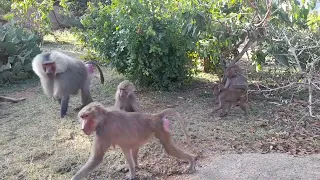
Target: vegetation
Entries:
(5, 6)
(162, 44)
(142, 40)
(17, 49)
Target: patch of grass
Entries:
(19, 86)
(62, 37)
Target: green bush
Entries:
(17, 49)
(142, 40)
(5, 6)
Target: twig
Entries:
(293, 49)
(275, 89)
(295, 127)
(316, 86)
(245, 48)
(310, 96)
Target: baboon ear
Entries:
(100, 109)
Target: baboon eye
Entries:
(84, 116)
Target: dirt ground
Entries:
(257, 167)
(36, 144)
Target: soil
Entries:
(256, 166)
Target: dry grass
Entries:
(36, 144)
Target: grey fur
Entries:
(71, 75)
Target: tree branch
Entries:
(244, 50)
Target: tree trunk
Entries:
(206, 64)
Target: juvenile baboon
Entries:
(125, 97)
(62, 75)
(228, 97)
(128, 130)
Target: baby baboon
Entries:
(227, 97)
(125, 97)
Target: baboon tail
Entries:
(167, 112)
(173, 112)
(100, 71)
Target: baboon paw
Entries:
(130, 177)
(190, 170)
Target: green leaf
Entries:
(22, 59)
(5, 67)
(27, 67)
(7, 75)
(3, 35)
(11, 59)
(22, 75)
(19, 34)
(282, 59)
(258, 67)
(16, 40)
(9, 46)
(17, 67)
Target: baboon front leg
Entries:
(216, 109)
(172, 150)
(94, 160)
(64, 101)
(244, 107)
(125, 167)
(225, 109)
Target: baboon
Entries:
(234, 78)
(128, 130)
(230, 96)
(62, 75)
(125, 97)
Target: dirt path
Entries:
(256, 166)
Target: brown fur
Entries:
(234, 78)
(125, 97)
(128, 130)
(229, 97)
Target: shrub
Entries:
(17, 49)
(142, 40)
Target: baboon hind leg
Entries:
(225, 109)
(166, 141)
(85, 96)
(243, 105)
